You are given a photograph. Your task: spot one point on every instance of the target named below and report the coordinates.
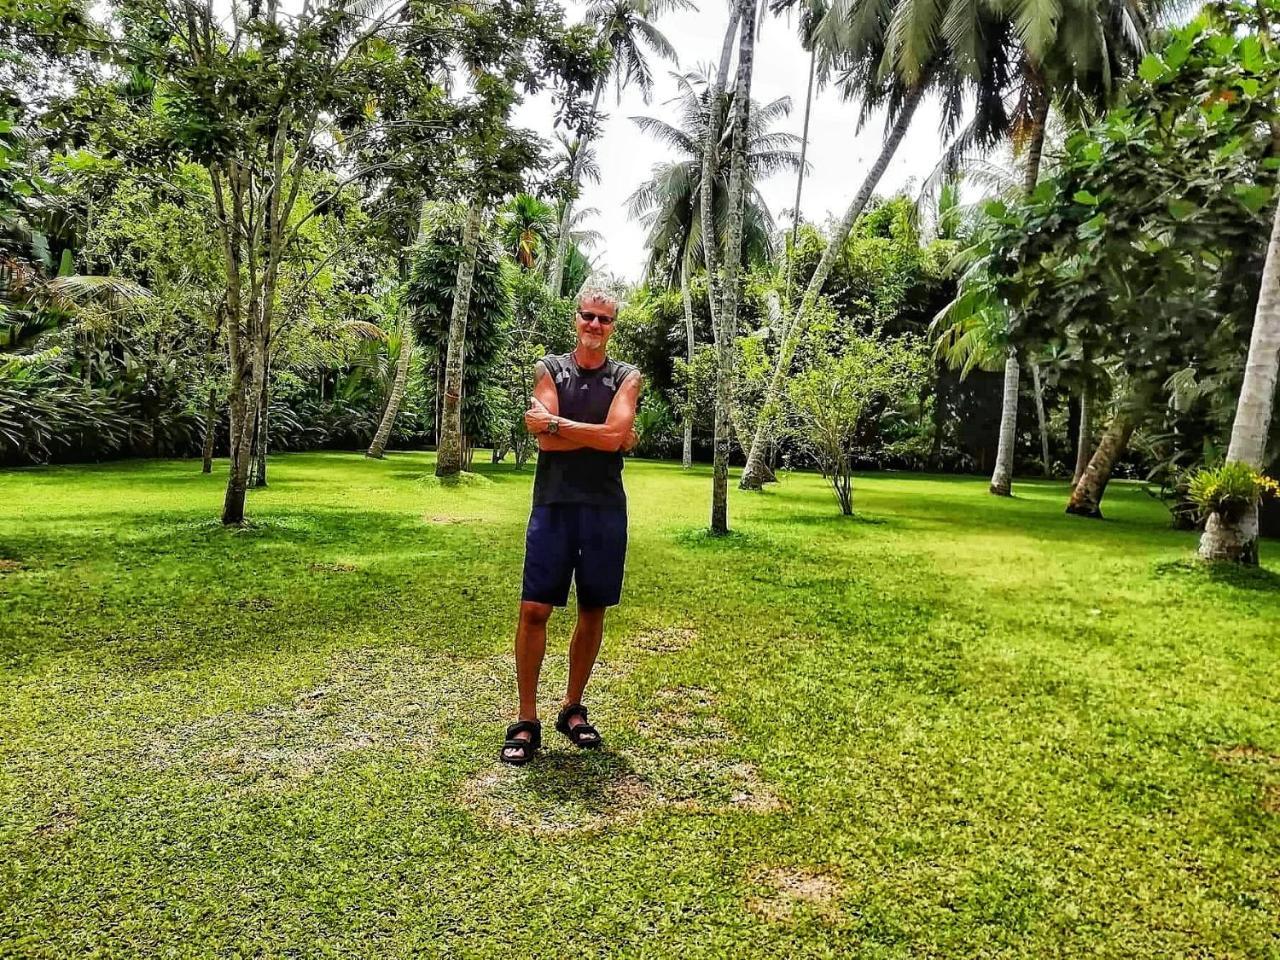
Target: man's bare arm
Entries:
(544, 393)
(613, 434)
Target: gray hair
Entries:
(598, 295)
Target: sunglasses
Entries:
(587, 316)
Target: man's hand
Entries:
(629, 444)
(537, 418)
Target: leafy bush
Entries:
(839, 396)
(655, 427)
(1230, 489)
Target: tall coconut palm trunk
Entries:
(1002, 475)
(1236, 539)
(686, 456)
(755, 473)
(1084, 436)
(555, 279)
(379, 445)
(804, 151)
(727, 341)
(710, 164)
(450, 454)
(1086, 498)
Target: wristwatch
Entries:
(553, 426)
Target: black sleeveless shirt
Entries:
(582, 476)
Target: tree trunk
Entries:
(555, 279)
(732, 265)
(264, 430)
(210, 428)
(753, 476)
(240, 447)
(804, 150)
(710, 163)
(686, 457)
(1044, 427)
(1237, 539)
(1084, 438)
(438, 402)
(379, 444)
(450, 455)
(1231, 539)
(1002, 476)
(1086, 498)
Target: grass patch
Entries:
(979, 728)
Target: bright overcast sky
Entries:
(838, 156)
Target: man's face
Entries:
(594, 321)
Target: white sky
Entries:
(838, 158)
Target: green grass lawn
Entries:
(952, 726)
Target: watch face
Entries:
(553, 427)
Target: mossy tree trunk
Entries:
(450, 456)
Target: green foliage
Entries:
(834, 398)
(655, 427)
(1229, 489)
(43, 415)
(1144, 245)
(527, 227)
(668, 204)
(429, 298)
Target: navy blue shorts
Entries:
(575, 541)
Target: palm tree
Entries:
(1235, 538)
(450, 455)
(894, 52)
(1055, 60)
(526, 227)
(669, 203)
(811, 14)
(727, 329)
(883, 57)
(626, 28)
(402, 344)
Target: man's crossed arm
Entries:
(614, 434)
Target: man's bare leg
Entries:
(583, 650)
(531, 647)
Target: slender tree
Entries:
(626, 28)
(449, 454)
(728, 326)
(898, 50)
(669, 203)
(1235, 538)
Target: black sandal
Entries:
(527, 748)
(583, 735)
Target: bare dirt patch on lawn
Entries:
(784, 891)
(683, 762)
(373, 699)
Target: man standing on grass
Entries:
(582, 412)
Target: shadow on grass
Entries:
(1227, 574)
(479, 475)
(834, 519)
(572, 775)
